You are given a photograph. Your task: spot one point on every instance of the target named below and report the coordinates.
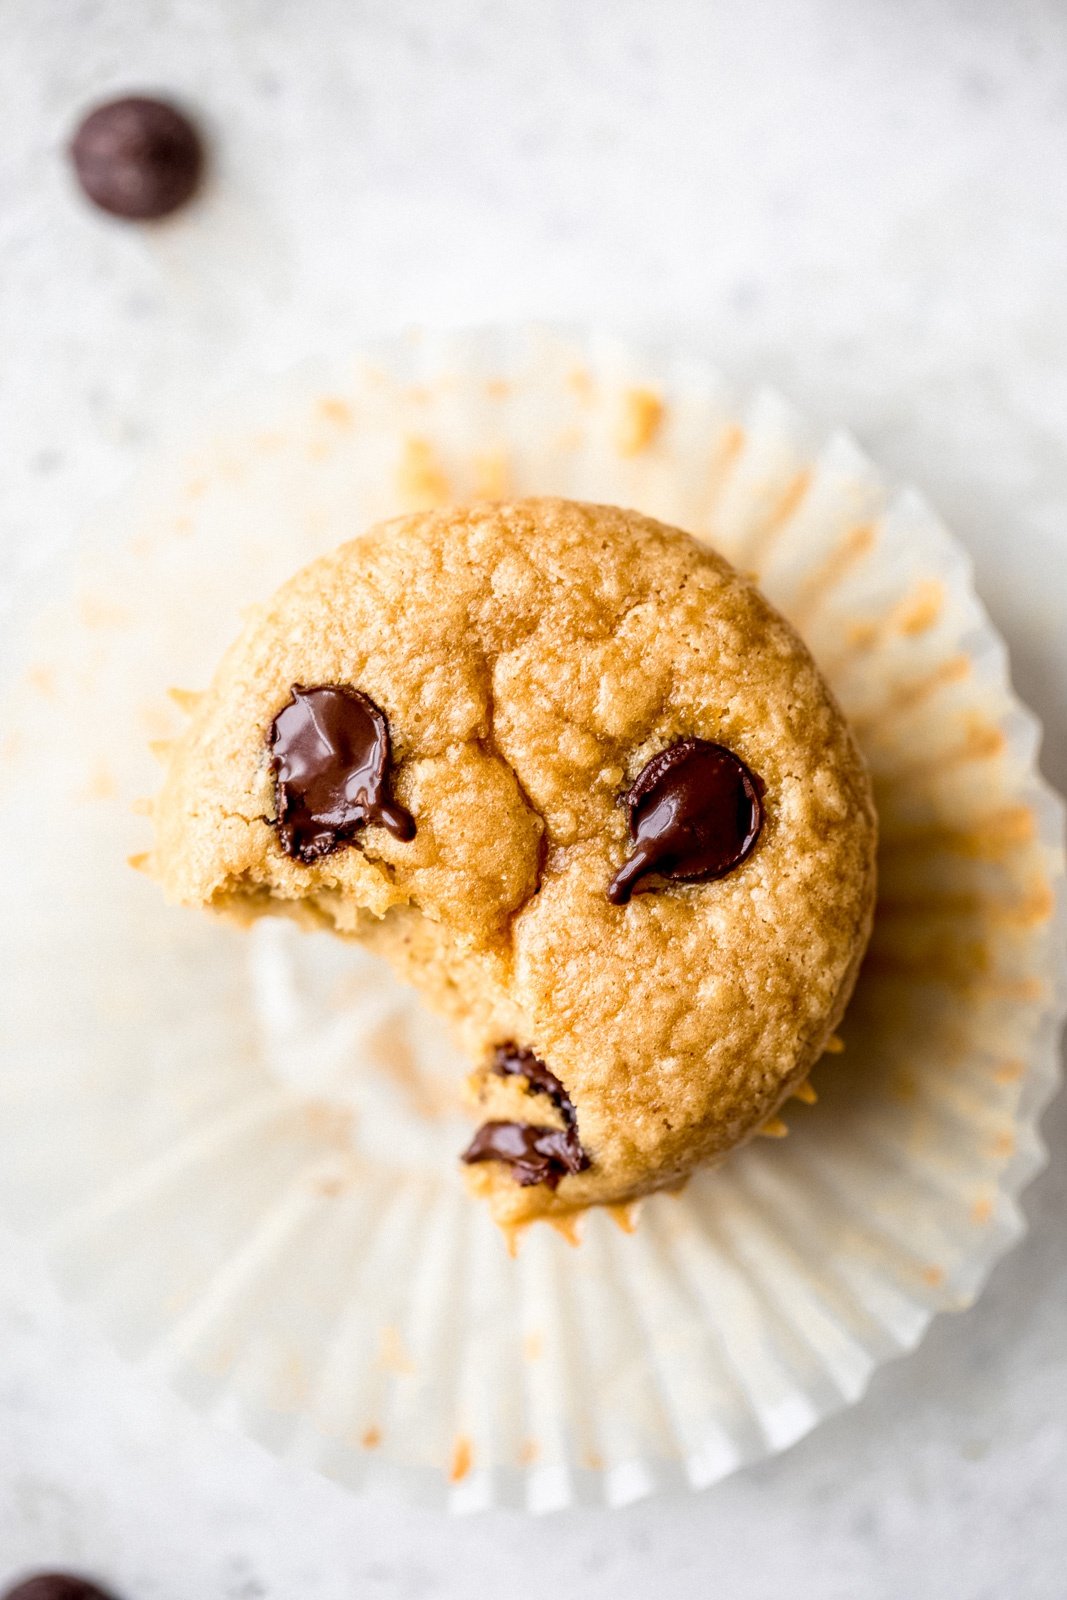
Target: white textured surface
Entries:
(865, 205)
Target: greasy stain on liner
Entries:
(535, 1155)
(695, 813)
(330, 756)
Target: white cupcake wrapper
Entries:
(240, 1149)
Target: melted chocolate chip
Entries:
(513, 1061)
(330, 757)
(535, 1155)
(695, 813)
(137, 158)
(56, 1586)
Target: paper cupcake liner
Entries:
(240, 1149)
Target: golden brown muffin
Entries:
(446, 739)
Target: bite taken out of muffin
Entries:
(577, 780)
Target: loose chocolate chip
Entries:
(56, 1586)
(535, 1155)
(330, 758)
(695, 813)
(137, 158)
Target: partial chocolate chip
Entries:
(695, 813)
(137, 158)
(56, 1586)
(330, 758)
(535, 1155)
(513, 1061)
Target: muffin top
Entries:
(543, 690)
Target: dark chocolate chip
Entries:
(330, 758)
(513, 1061)
(535, 1155)
(137, 158)
(695, 813)
(56, 1586)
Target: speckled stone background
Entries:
(864, 203)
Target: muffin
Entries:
(583, 787)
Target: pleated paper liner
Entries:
(240, 1149)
